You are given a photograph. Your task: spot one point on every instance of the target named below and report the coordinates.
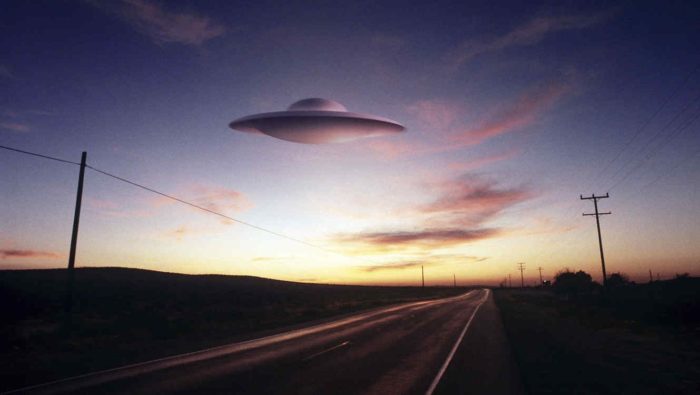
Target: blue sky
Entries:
(512, 110)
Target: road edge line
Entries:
(451, 355)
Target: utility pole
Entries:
(521, 267)
(422, 276)
(597, 221)
(454, 279)
(541, 281)
(74, 239)
(651, 279)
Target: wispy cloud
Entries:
(515, 115)
(530, 33)
(431, 260)
(472, 200)
(12, 253)
(162, 25)
(15, 126)
(458, 215)
(215, 198)
(435, 113)
(179, 233)
(480, 162)
(421, 238)
(116, 209)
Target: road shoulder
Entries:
(484, 362)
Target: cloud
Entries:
(10, 253)
(116, 209)
(515, 115)
(179, 233)
(220, 199)
(164, 26)
(391, 266)
(435, 113)
(420, 238)
(415, 263)
(528, 34)
(458, 215)
(472, 200)
(15, 126)
(484, 160)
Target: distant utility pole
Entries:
(541, 281)
(422, 276)
(74, 237)
(454, 279)
(651, 279)
(510, 282)
(521, 267)
(597, 221)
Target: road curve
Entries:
(402, 349)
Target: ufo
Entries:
(317, 121)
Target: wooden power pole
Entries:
(597, 222)
(521, 267)
(74, 238)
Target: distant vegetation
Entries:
(126, 315)
(575, 337)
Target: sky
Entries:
(513, 110)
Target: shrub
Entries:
(573, 284)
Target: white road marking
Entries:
(437, 379)
(343, 344)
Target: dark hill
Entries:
(123, 315)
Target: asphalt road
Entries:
(452, 345)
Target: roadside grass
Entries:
(604, 345)
(123, 316)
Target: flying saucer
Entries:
(316, 121)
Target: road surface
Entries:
(452, 345)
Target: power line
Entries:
(211, 211)
(659, 146)
(39, 155)
(648, 121)
(177, 200)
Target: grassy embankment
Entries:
(642, 339)
(124, 316)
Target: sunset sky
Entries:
(512, 110)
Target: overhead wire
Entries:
(661, 142)
(39, 155)
(183, 201)
(648, 121)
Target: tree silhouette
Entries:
(617, 280)
(573, 284)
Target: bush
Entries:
(573, 284)
(617, 280)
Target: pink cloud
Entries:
(527, 34)
(114, 209)
(15, 126)
(431, 238)
(219, 199)
(484, 160)
(11, 253)
(164, 26)
(436, 114)
(471, 200)
(515, 115)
